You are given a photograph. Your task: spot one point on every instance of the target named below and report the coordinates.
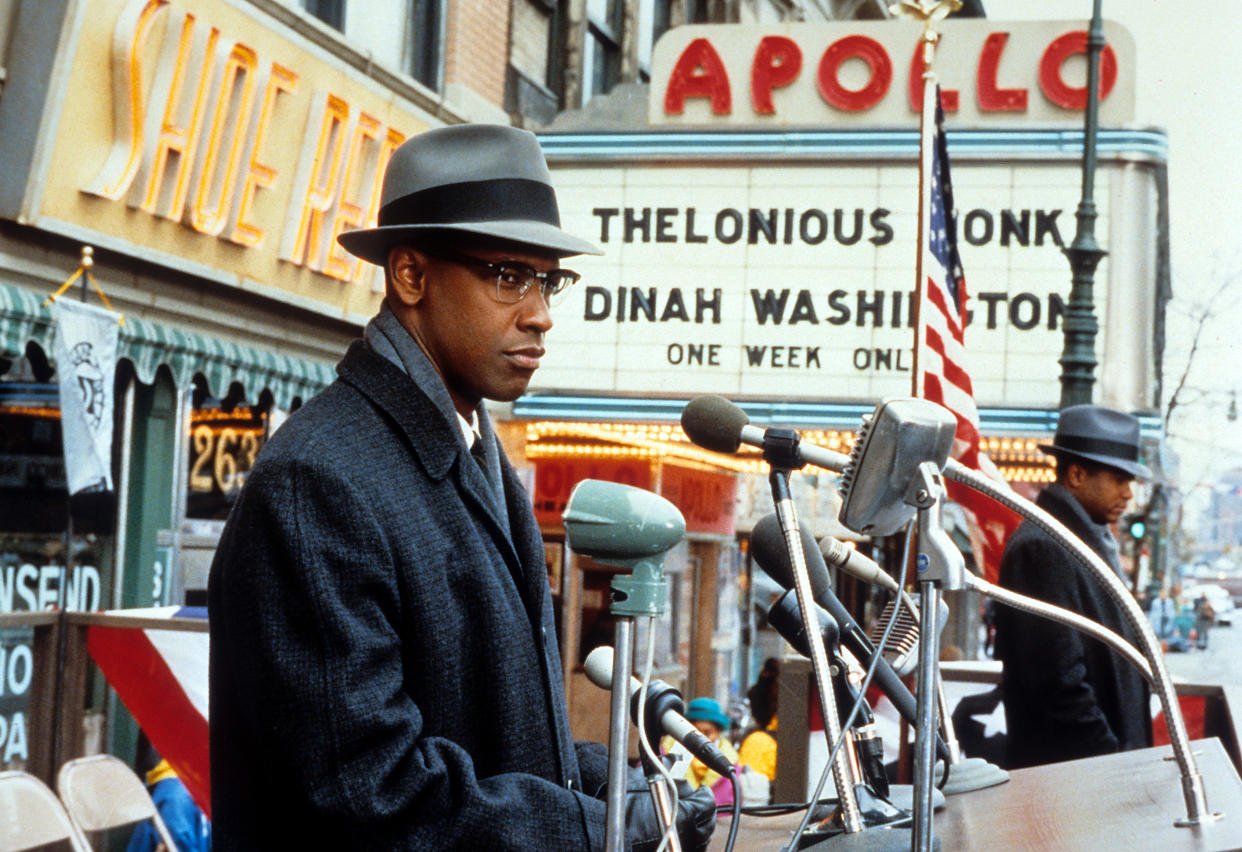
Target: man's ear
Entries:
(1075, 475)
(406, 277)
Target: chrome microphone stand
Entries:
(940, 567)
(780, 451)
(631, 528)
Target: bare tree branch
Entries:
(1204, 315)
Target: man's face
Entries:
(1103, 492)
(482, 347)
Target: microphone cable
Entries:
(737, 810)
(669, 782)
(858, 702)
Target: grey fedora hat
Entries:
(485, 179)
(1097, 434)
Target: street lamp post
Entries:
(1080, 325)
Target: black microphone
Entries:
(664, 706)
(785, 618)
(767, 546)
(714, 423)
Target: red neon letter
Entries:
(992, 99)
(868, 50)
(777, 62)
(948, 97)
(1054, 57)
(687, 82)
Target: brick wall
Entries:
(477, 47)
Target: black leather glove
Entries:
(696, 815)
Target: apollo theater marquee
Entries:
(759, 228)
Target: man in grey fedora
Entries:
(1068, 696)
(384, 665)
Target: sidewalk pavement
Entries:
(1220, 663)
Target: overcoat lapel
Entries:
(435, 442)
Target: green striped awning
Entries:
(23, 319)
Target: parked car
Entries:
(1218, 597)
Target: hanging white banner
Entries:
(86, 342)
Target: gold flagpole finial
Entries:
(930, 12)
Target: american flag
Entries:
(942, 357)
(161, 677)
(942, 376)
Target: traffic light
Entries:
(1137, 527)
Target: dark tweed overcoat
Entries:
(1066, 696)
(384, 667)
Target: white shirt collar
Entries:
(469, 428)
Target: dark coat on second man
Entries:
(1066, 695)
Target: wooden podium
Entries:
(1125, 801)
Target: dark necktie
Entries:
(476, 450)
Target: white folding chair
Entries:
(100, 792)
(31, 816)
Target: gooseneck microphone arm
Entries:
(1197, 811)
(1066, 617)
(842, 772)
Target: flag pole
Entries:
(927, 124)
(929, 12)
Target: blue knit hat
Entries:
(708, 710)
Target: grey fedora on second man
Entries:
(485, 179)
(1101, 435)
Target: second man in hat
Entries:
(1067, 696)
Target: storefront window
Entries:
(225, 439)
(38, 520)
(56, 552)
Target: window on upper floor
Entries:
(402, 35)
(331, 12)
(602, 54)
(426, 43)
(774, 11)
(535, 84)
(652, 23)
(534, 41)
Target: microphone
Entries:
(902, 649)
(898, 437)
(849, 560)
(767, 546)
(786, 619)
(714, 423)
(664, 706)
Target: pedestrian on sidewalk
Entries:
(1205, 617)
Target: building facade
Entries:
(209, 151)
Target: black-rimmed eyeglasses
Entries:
(514, 278)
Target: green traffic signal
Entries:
(1137, 528)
